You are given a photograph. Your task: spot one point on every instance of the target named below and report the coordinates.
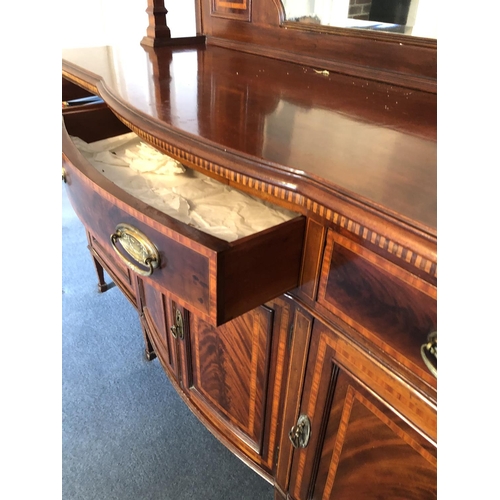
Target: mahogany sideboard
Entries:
(309, 348)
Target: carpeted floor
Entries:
(127, 435)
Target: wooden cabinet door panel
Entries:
(228, 370)
(154, 308)
(360, 445)
(298, 346)
(369, 452)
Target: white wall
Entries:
(88, 23)
(425, 18)
(181, 17)
(76, 18)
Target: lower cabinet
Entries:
(231, 376)
(297, 400)
(352, 436)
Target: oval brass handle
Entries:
(299, 434)
(63, 175)
(430, 347)
(137, 245)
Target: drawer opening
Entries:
(178, 191)
(222, 252)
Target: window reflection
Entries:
(411, 17)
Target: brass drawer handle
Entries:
(137, 245)
(431, 347)
(299, 434)
(64, 175)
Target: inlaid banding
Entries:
(279, 193)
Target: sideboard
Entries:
(309, 348)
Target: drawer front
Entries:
(182, 270)
(392, 307)
(216, 280)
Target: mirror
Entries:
(408, 17)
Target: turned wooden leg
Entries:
(102, 286)
(149, 351)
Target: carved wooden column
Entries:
(158, 33)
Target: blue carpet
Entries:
(126, 432)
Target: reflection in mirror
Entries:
(409, 17)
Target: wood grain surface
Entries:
(338, 125)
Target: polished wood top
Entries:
(370, 142)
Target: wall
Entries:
(93, 23)
(76, 18)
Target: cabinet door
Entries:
(295, 363)
(155, 310)
(233, 377)
(361, 443)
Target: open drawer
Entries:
(217, 280)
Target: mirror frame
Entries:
(361, 33)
